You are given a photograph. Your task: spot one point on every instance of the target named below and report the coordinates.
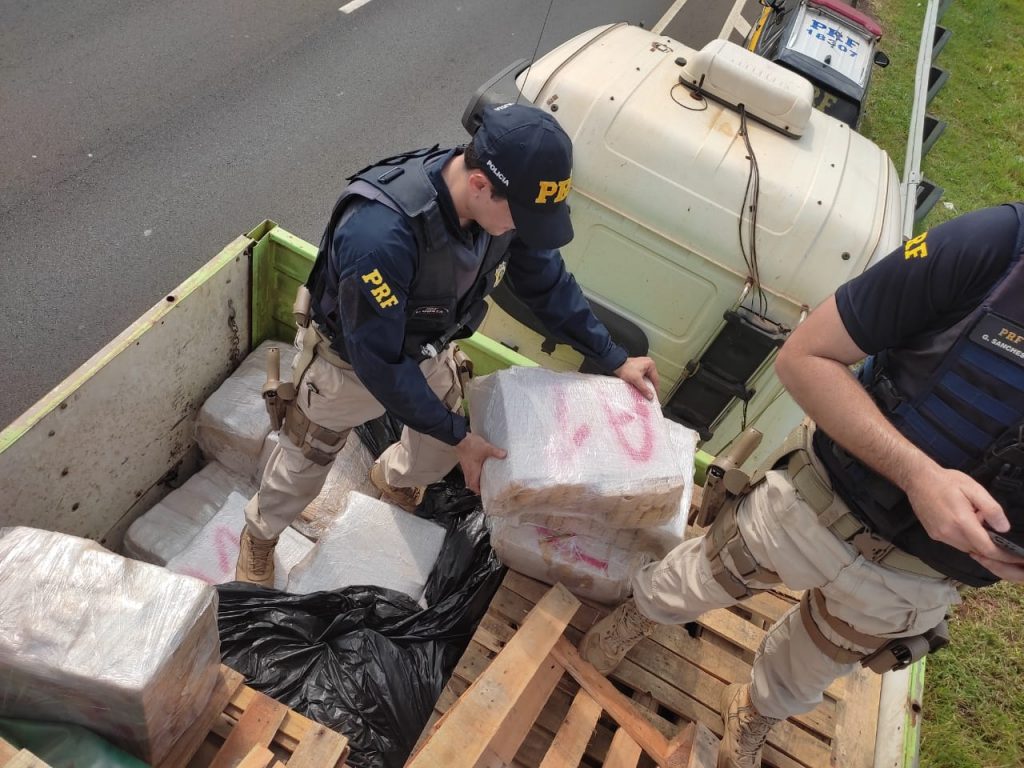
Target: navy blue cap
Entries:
(528, 158)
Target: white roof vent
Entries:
(769, 93)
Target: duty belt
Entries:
(297, 425)
(319, 345)
(834, 515)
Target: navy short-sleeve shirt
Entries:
(931, 281)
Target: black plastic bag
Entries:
(379, 433)
(368, 661)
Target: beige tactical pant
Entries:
(335, 398)
(783, 534)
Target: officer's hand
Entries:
(954, 509)
(473, 451)
(1008, 571)
(642, 373)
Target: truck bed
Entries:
(117, 435)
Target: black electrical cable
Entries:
(751, 198)
(536, 48)
(702, 100)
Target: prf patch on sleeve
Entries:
(916, 247)
(381, 291)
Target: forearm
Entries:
(587, 335)
(951, 506)
(552, 293)
(830, 394)
(375, 350)
(402, 389)
(813, 365)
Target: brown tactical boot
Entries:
(406, 498)
(746, 730)
(608, 641)
(255, 559)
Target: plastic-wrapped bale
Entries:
(233, 424)
(127, 649)
(586, 566)
(372, 543)
(350, 472)
(575, 441)
(659, 539)
(168, 527)
(213, 553)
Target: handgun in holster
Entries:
(301, 307)
(901, 652)
(463, 369)
(277, 394)
(725, 480)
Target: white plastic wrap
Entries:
(659, 539)
(350, 472)
(211, 556)
(576, 441)
(168, 527)
(126, 649)
(233, 423)
(586, 566)
(371, 543)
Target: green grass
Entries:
(974, 697)
(973, 701)
(980, 158)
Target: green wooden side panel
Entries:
(912, 727)
(701, 462)
(280, 264)
(489, 356)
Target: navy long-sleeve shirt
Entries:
(375, 237)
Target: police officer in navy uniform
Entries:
(413, 246)
(906, 480)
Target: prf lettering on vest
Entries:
(916, 247)
(1010, 336)
(558, 190)
(382, 293)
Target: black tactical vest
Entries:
(959, 396)
(433, 309)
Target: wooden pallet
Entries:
(240, 728)
(488, 724)
(246, 729)
(684, 677)
(12, 757)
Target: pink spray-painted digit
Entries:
(226, 544)
(641, 415)
(579, 434)
(566, 545)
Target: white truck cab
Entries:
(712, 208)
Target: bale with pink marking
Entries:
(591, 446)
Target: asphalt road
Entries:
(139, 137)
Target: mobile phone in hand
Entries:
(1004, 543)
